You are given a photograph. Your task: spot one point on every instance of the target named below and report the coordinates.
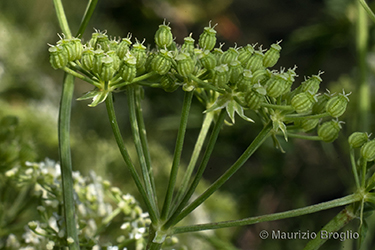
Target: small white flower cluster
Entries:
(100, 207)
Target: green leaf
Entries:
(98, 96)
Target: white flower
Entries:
(50, 245)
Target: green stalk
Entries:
(261, 137)
(194, 157)
(66, 161)
(86, 17)
(177, 153)
(354, 167)
(202, 167)
(367, 9)
(63, 22)
(362, 47)
(72, 72)
(271, 217)
(126, 157)
(140, 150)
(340, 220)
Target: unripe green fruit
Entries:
(235, 71)
(188, 45)
(139, 51)
(107, 71)
(261, 76)
(245, 53)
(276, 85)
(97, 61)
(320, 106)
(303, 102)
(58, 57)
(309, 124)
(368, 151)
(168, 83)
(255, 62)
(94, 38)
(228, 56)
(123, 47)
(272, 55)
(69, 46)
(221, 76)
(357, 139)
(102, 42)
(312, 83)
(329, 131)
(245, 81)
(128, 69)
(77, 48)
(116, 59)
(207, 40)
(162, 62)
(185, 64)
(255, 97)
(207, 60)
(336, 106)
(87, 58)
(163, 36)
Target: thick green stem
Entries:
(262, 136)
(194, 157)
(202, 167)
(66, 161)
(63, 22)
(140, 150)
(271, 217)
(340, 220)
(177, 153)
(354, 167)
(126, 157)
(367, 9)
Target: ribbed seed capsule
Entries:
(235, 71)
(162, 62)
(168, 83)
(107, 71)
(87, 58)
(228, 56)
(368, 151)
(329, 131)
(139, 51)
(357, 139)
(245, 81)
(261, 76)
(303, 102)
(309, 124)
(217, 52)
(188, 45)
(77, 48)
(128, 69)
(68, 47)
(336, 106)
(102, 42)
(221, 76)
(94, 38)
(116, 59)
(163, 36)
(207, 60)
(97, 61)
(245, 53)
(272, 55)
(290, 74)
(207, 40)
(312, 83)
(255, 97)
(255, 62)
(320, 106)
(57, 57)
(123, 47)
(276, 85)
(113, 44)
(185, 64)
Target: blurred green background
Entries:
(317, 35)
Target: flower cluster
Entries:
(98, 205)
(237, 79)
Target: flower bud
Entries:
(303, 102)
(58, 57)
(185, 64)
(228, 56)
(207, 40)
(245, 81)
(255, 97)
(123, 47)
(163, 36)
(207, 60)
(357, 139)
(272, 55)
(87, 58)
(188, 45)
(245, 53)
(255, 62)
(336, 106)
(162, 62)
(128, 69)
(107, 71)
(221, 76)
(235, 71)
(368, 151)
(329, 131)
(312, 83)
(276, 85)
